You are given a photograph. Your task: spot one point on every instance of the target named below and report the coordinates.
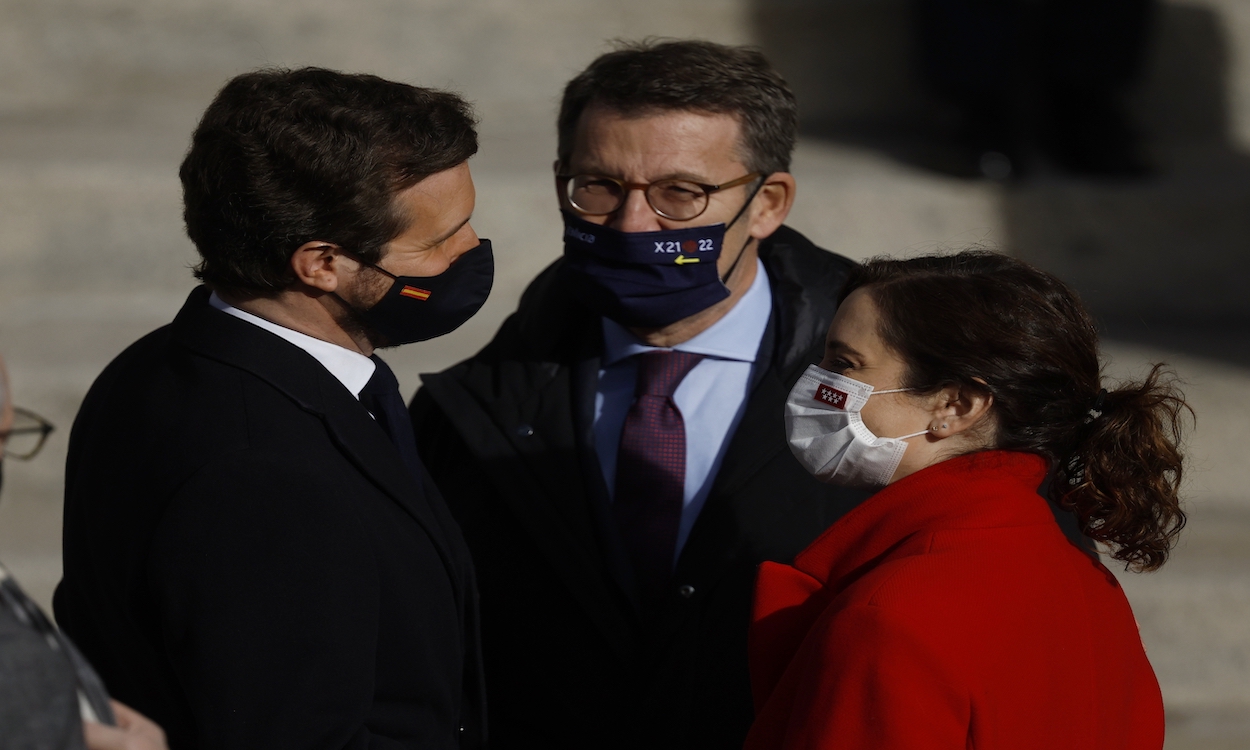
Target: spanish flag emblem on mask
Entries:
(415, 293)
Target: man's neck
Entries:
(739, 282)
(303, 312)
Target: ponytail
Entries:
(1122, 479)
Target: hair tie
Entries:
(1096, 411)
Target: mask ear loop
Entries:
(902, 390)
(367, 264)
(364, 264)
(912, 435)
(734, 220)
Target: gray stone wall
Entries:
(98, 98)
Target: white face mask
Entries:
(828, 436)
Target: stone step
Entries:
(100, 97)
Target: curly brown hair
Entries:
(987, 322)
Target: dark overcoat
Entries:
(249, 562)
(570, 660)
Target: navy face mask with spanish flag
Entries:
(417, 308)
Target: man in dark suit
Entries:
(254, 555)
(616, 456)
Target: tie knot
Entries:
(659, 373)
(383, 379)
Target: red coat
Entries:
(950, 611)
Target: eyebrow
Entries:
(844, 347)
(687, 176)
(452, 233)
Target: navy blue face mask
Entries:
(646, 279)
(417, 308)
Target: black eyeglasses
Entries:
(27, 435)
(679, 200)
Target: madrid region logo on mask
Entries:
(827, 394)
(644, 279)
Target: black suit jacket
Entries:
(249, 562)
(570, 661)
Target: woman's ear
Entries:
(957, 410)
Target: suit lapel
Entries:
(300, 377)
(534, 459)
(710, 549)
(366, 445)
(599, 501)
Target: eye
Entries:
(595, 183)
(833, 363)
(678, 192)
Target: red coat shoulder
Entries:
(978, 632)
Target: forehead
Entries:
(856, 323)
(657, 143)
(437, 203)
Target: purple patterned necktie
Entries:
(651, 470)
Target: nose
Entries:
(635, 214)
(461, 242)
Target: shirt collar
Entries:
(735, 336)
(352, 369)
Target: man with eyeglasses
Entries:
(616, 456)
(50, 697)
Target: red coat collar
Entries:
(978, 490)
(990, 489)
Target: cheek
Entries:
(889, 418)
(735, 240)
(369, 288)
(431, 262)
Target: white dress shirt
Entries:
(350, 368)
(712, 397)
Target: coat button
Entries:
(524, 431)
(686, 591)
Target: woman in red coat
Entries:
(950, 610)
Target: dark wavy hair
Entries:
(285, 157)
(986, 322)
(690, 75)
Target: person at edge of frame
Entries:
(254, 555)
(50, 697)
(616, 538)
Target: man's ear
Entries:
(555, 173)
(772, 204)
(959, 410)
(319, 265)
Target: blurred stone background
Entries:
(98, 99)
